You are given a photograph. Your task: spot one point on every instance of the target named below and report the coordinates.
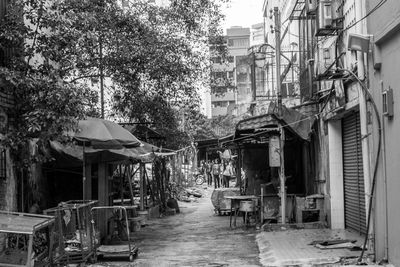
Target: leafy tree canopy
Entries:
(155, 58)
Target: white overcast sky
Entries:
(243, 13)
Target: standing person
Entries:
(227, 174)
(208, 172)
(221, 173)
(215, 172)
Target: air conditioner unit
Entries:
(325, 14)
(329, 17)
(311, 6)
(337, 13)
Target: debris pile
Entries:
(184, 194)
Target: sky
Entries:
(243, 13)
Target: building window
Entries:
(3, 164)
(220, 104)
(241, 42)
(219, 90)
(216, 60)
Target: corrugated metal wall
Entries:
(354, 196)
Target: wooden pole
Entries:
(142, 184)
(130, 184)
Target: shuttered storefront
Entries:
(354, 197)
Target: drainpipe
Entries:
(384, 175)
(360, 10)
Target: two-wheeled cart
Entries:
(118, 243)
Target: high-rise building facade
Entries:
(230, 79)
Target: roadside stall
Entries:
(28, 239)
(73, 235)
(265, 167)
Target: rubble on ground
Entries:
(189, 194)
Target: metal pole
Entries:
(278, 57)
(279, 91)
(101, 79)
(282, 176)
(253, 77)
(84, 173)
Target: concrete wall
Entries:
(384, 25)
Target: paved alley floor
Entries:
(195, 237)
(293, 247)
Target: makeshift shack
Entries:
(258, 142)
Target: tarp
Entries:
(74, 153)
(296, 121)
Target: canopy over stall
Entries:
(207, 149)
(292, 120)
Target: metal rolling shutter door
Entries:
(353, 177)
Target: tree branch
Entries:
(85, 76)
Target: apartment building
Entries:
(230, 78)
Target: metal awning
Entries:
(207, 143)
(291, 119)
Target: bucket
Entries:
(246, 206)
(144, 215)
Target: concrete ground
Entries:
(199, 237)
(293, 248)
(195, 237)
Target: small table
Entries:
(235, 203)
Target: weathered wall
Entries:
(384, 25)
(8, 199)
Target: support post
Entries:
(88, 176)
(101, 78)
(142, 185)
(282, 131)
(282, 176)
(278, 57)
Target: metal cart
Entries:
(73, 232)
(28, 239)
(117, 244)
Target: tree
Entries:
(155, 58)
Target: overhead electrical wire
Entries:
(368, 14)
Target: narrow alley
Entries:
(134, 129)
(196, 237)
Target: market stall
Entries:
(273, 158)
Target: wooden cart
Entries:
(221, 204)
(73, 240)
(28, 239)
